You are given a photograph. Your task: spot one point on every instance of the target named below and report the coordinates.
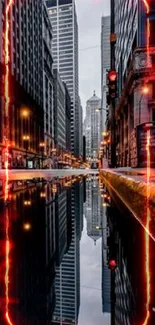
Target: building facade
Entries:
(93, 127)
(25, 120)
(59, 112)
(68, 119)
(48, 85)
(134, 62)
(105, 65)
(65, 54)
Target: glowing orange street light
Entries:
(42, 144)
(145, 90)
(25, 113)
(27, 226)
(26, 137)
(27, 203)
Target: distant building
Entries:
(105, 65)
(93, 127)
(65, 54)
(59, 111)
(93, 210)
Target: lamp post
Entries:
(42, 146)
(26, 139)
(145, 91)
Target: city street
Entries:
(15, 174)
(77, 162)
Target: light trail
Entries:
(147, 6)
(6, 144)
(147, 239)
(148, 216)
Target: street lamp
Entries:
(25, 112)
(42, 146)
(145, 91)
(26, 139)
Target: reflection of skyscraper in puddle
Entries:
(32, 269)
(67, 281)
(93, 209)
(106, 275)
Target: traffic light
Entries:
(112, 264)
(112, 79)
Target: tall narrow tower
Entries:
(65, 54)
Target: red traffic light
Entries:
(112, 75)
(112, 264)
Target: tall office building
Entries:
(59, 111)
(105, 65)
(48, 87)
(26, 79)
(65, 54)
(93, 127)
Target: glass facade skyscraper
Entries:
(65, 54)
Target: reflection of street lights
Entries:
(100, 228)
(26, 139)
(101, 109)
(145, 91)
(42, 146)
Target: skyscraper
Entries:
(26, 79)
(48, 87)
(65, 54)
(105, 64)
(93, 127)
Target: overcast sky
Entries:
(89, 14)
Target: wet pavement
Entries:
(57, 241)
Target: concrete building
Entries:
(93, 127)
(25, 119)
(65, 54)
(59, 112)
(105, 65)
(48, 84)
(134, 60)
